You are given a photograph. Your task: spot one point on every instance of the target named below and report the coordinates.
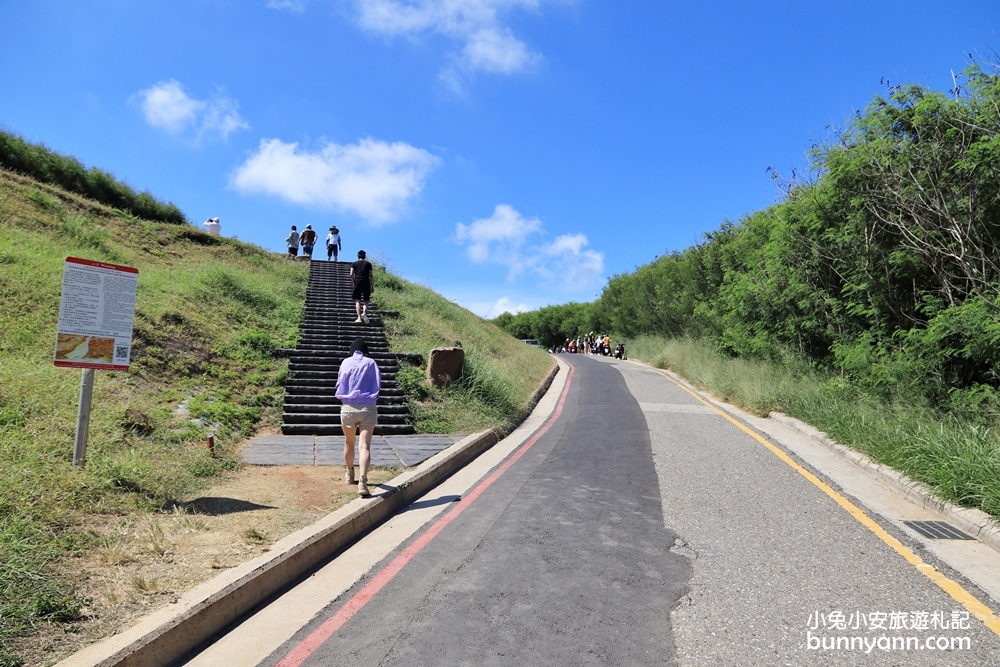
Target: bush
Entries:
(411, 380)
(40, 163)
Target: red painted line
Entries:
(310, 644)
(102, 265)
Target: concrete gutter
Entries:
(975, 522)
(168, 634)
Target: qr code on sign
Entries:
(121, 351)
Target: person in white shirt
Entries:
(212, 226)
(293, 243)
(333, 245)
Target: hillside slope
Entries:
(209, 312)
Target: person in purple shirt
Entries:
(358, 384)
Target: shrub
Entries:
(38, 162)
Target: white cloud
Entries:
(567, 259)
(496, 51)
(501, 234)
(375, 179)
(509, 239)
(505, 305)
(290, 5)
(488, 45)
(167, 106)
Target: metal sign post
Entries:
(83, 418)
(96, 314)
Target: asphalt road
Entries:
(565, 559)
(640, 528)
(778, 565)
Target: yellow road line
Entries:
(952, 588)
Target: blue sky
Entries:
(507, 153)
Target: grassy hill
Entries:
(209, 313)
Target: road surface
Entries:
(632, 523)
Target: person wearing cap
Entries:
(333, 245)
(308, 240)
(358, 384)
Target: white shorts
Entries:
(358, 415)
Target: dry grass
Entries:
(145, 562)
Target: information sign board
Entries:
(96, 315)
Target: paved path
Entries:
(638, 526)
(774, 556)
(564, 560)
(328, 450)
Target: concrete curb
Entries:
(166, 635)
(540, 391)
(973, 521)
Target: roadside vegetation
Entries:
(867, 302)
(210, 312)
(66, 172)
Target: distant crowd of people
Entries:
(592, 344)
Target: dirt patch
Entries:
(145, 563)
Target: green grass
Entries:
(499, 374)
(959, 457)
(209, 313)
(45, 165)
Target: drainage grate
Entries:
(938, 530)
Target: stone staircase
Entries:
(325, 336)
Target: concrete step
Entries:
(333, 350)
(331, 384)
(349, 321)
(335, 339)
(339, 352)
(384, 367)
(326, 331)
(329, 408)
(388, 379)
(388, 388)
(320, 352)
(330, 418)
(329, 309)
(325, 365)
(330, 399)
(335, 429)
(296, 388)
(316, 372)
(344, 331)
(374, 328)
